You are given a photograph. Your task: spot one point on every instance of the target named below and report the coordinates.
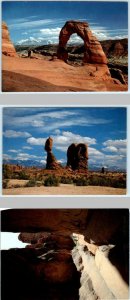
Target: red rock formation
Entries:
(98, 225)
(77, 156)
(7, 46)
(93, 49)
(52, 163)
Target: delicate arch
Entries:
(93, 50)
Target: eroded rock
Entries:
(7, 46)
(77, 156)
(52, 163)
(93, 50)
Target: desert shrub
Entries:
(16, 186)
(51, 180)
(81, 181)
(31, 183)
(5, 183)
(66, 180)
(23, 175)
(119, 183)
(7, 173)
(39, 183)
(107, 181)
(101, 181)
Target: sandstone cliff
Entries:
(7, 46)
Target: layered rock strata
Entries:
(7, 46)
(93, 49)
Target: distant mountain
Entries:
(38, 164)
(25, 163)
(112, 48)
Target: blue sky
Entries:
(25, 131)
(41, 22)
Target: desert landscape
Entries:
(87, 66)
(85, 153)
(69, 254)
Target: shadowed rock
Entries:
(77, 156)
(93, 50)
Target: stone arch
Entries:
(93, 50)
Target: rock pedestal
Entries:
(52, 163)
(93, 49)
(7, 46)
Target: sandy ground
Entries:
(63, 189)
(41, 75)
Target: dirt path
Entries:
(65, 189)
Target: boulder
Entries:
(93, 50)
(7, 46)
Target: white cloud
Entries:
(110, 149)
(30, 24)
(95, 153)
(62, 141)
(43, 161)
(27, 147)
(13, 151)
(22, 156)
(50, 31)
(16, 134)
(36, 141)
(116, 143)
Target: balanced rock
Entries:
(93, 50)
(52, 163)
(77, 156)
(7, 46)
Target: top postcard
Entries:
(64, 46)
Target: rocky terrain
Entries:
(49, 70)
(71, 254)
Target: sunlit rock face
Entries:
(93, 49)
(100, 279)
(7, 46)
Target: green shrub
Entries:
(107, 181)
(5, 183)
(81, 181)
(31, 183)
(66, 180)
(7, 173)
(23, 175)
(51, 180)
